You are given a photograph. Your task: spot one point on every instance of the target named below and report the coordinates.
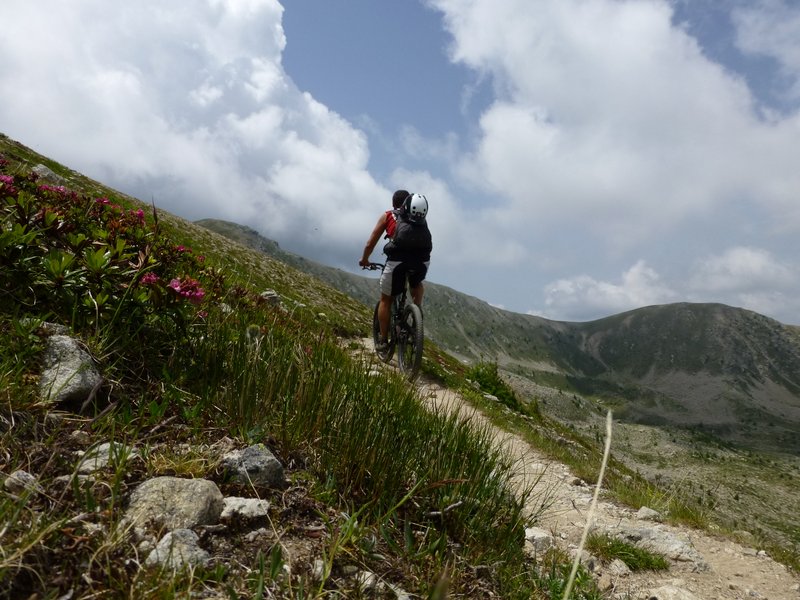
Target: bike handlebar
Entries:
(373, 266)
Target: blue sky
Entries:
(581, 157)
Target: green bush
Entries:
(486, 375)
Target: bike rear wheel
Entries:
(376, 337)
(410, 342)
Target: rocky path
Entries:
(702, 567)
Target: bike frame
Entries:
(405, 330)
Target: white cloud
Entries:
(609, 114)
(748, 277)
(742, 270)
(772, 28)
(188, 104)
(584, 297)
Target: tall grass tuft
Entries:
(369, 432)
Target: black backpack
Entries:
(411, 237)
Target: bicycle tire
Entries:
(376, 337)
(409, 346)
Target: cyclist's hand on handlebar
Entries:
(364, 263)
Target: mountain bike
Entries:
(406, 332)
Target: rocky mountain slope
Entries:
(732, 372)
(705, 397)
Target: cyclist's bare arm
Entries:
(376, 234)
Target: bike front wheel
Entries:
(410, 341)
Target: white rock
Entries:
(20, 481)
(244, 508)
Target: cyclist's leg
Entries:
(415, 278)
(384, 310)
(392, 273)
(417, 293)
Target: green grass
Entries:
(608, 548)
(191, 354)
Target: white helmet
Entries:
(416, 206)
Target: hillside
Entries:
(182, 416)
(730, 371)
(208, 351)
(705, 396)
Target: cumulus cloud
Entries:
(742, 270)
(772, 28)
(748, 277)
(188, 104)
(583, 297)
(607, 112)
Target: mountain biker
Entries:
(401, 262)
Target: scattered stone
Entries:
(675, 546)
(537, 541)
(175, 503)
(177, 549)
(318, 569)
(46, 174)
(648, 514)
(399, 593)
(255, 466)
(100, 457)
(47, 328)
(272, 297)
(21, 481)
(257, 534)
(670, 592)
(587, 560)
(368, 582)
(69, 372)
(244, 508)
(605, 583)
(81, 437)
(618, 568)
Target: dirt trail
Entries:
(733, 572)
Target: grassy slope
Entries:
(297, 391)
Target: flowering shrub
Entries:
(187, 288)
(97, 265)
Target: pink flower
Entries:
(138, 215)
(149, 278)
(188, 288)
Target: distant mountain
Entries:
(726, 370)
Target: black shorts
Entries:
(395, 273)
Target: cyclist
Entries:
(406, 257)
